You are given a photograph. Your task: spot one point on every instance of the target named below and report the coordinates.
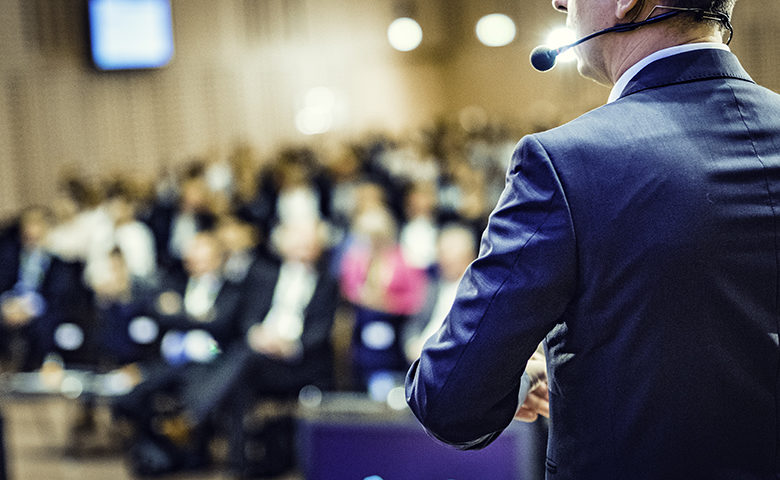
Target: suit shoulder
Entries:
(596, 133)
(589, 125)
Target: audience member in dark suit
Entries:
(125, 332)
(292, 185)
(241, 241)
(38, 291)
(175, 224)
(287, 324)
(198, 315)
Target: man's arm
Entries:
(464, 388)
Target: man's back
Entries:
(665, 363)
(641, 242)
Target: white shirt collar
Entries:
(629, 74)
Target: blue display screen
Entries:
(130, 34)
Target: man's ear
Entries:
(623, 7)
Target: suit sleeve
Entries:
(464, 388)
(320, 314)
(259, 292)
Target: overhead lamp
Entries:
(496, 30)
(404, 34)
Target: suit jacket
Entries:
(640, 241)
(160, 221)
(62, 289)
(223, 323)
(234, 376)
(167, 308)
(60, 280)
(316, 364)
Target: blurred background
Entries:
(243, 69)
(228, 226)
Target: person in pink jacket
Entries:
(384, 291)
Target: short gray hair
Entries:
(725, 7)
(721, 7)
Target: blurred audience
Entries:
(218, 284)
(242, 247)
(293, 185)
(81, 219)
(287, 324)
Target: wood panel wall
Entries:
(242, 68)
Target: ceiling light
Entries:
(496, 30)
(404, 34)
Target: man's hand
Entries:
(537, 402)
(16, 312)
(266, 343)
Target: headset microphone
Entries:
(543, 57)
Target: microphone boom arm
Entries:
(620, 27)
(543, 58)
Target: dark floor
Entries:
(39, 443)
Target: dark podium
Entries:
(350, 437)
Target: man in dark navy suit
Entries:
(198, 314)
(639, 243)
(286, 336)
(38, 291)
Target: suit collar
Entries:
(687, 67)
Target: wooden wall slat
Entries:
(242, 67)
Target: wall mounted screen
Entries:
(130, 34)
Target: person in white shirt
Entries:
(456, 249)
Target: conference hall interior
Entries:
(227, 226)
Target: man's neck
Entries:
(647, 44)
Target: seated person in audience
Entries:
(463, 195)
(126, 333)
(198, 315)
(286, 345)
(174, 225)
(203, 298)
(132, 238)
(81, 218)
(38, 291)
(292, 187)
(456, 249)
(384, 291)
(343, 168)
(288, 326)
(365, 195)
(122, 334)
(419, 231)
(240, 240)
